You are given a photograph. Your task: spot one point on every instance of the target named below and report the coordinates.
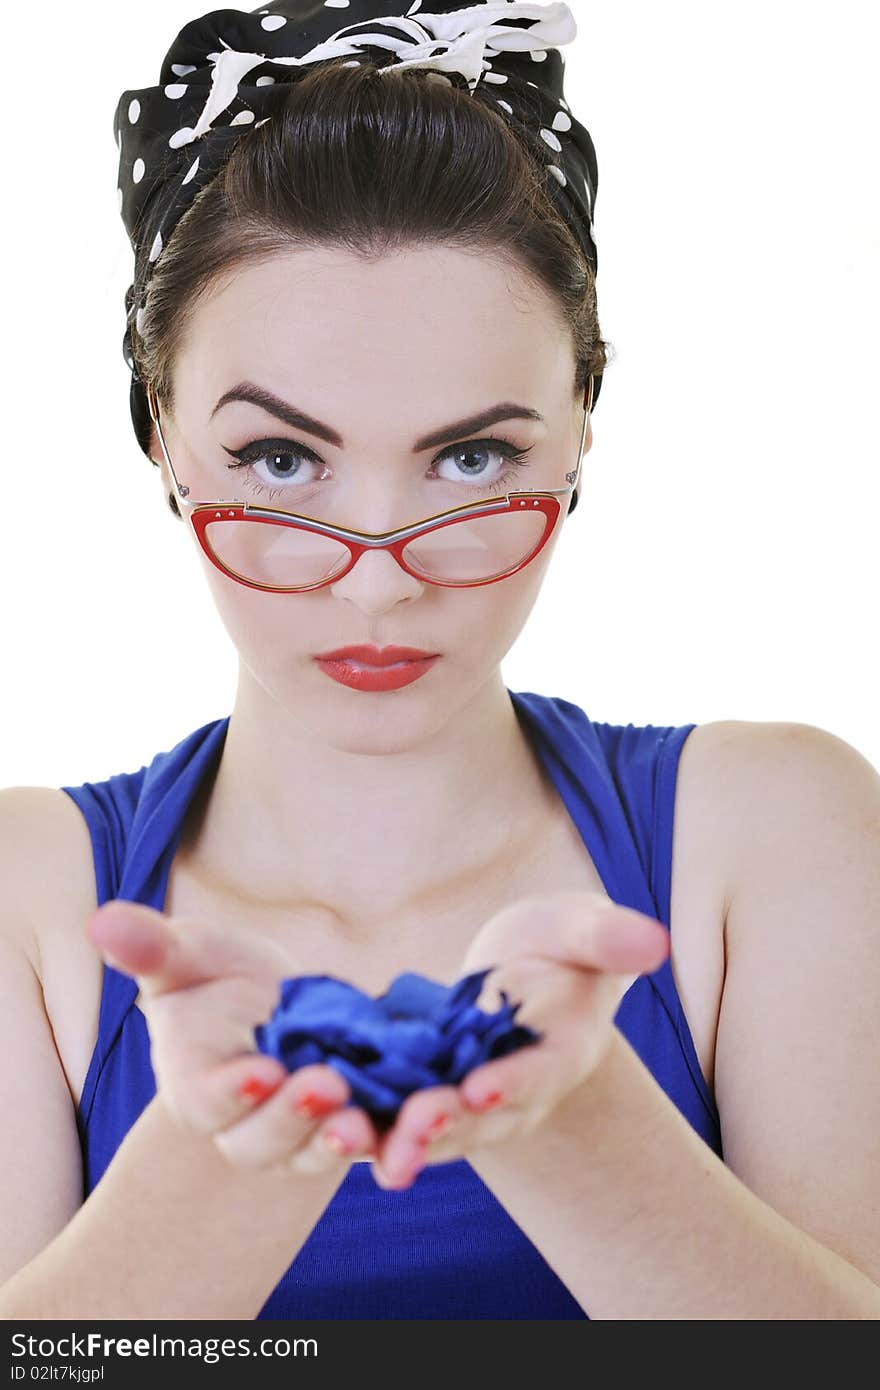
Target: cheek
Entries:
(488, 619)
(258, 622)
(475, 626)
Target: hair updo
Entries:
(372, 167)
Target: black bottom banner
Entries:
(132, 1354)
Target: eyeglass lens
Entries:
(283, 556)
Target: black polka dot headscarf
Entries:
(226, 71)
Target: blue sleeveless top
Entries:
(444, 1247)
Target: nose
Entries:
(376, 582)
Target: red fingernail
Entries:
(490, 1101)
(439, 1125)
(313, 1105)
(255, 1088)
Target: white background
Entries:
(723, 560)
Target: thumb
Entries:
(143, 942)
(625, 940)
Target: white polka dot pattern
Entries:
(214, 85)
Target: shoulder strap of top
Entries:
(109, 808)
(135, 821)
(645, 761)
(618, 783)
(665, 774)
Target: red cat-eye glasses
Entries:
(309, 554)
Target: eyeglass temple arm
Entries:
(572, 477)
(182, 490)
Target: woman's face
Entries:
(383, 354)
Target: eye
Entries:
(283, 460)
(478, 451)
(289, 464)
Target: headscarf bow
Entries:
(226, 71)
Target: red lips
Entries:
(376, 656)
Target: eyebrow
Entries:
(299, 420)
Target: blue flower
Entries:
(417, 1034)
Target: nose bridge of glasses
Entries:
(370, 562)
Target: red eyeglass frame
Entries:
(205, 512)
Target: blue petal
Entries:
(417, 1035)
(402, 1073)
(367, 1091)
(468, 1054)
(304, 1055)
(412, 996)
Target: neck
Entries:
(291, 820)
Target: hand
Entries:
(569, 957)
(203, 989)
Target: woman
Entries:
(365, 369)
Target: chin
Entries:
(373, 722)
(373, 735)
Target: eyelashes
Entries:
(251, 454)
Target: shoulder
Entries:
(800, 810)
(46, 865)
(783, 796)
(758, 756)
(709, 760)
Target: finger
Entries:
(348, 1133)
(425, 1119)
(286, 1120)
(132, 936)
(442, 1130)
(624, 940)
(215, 1099)
(604, 935)
(532, 1078)
(550, 994)
(190, 1040)
(165, 953)
(576, 928)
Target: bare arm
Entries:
(172, 1230)
(641, 1218)
(176, 1227)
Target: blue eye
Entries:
(515, 458)
(273, 452)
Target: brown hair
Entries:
(370, 161)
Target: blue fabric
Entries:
(445, 1247)
(416, 1034)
